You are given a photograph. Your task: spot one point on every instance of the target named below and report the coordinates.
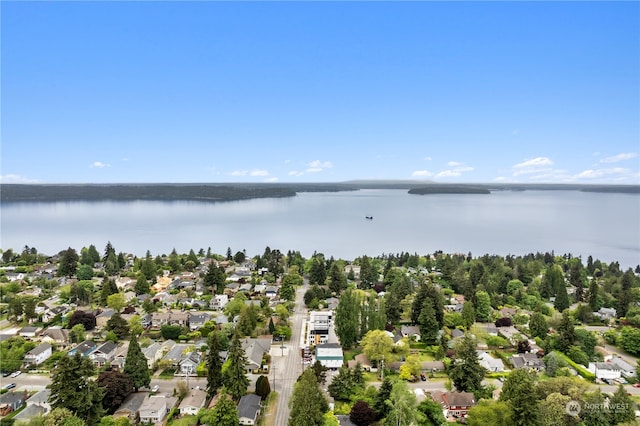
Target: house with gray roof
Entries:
(130, 408)
(255, 349)
(248, 409)
(83, 348)
(38, 355)
(192, 403)
(103, 354)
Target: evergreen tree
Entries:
(109, 287)
(68, 263)
(625, 297)
(562, 299)
(347, 318)
(142, 285)
(317, 272)
(465, 371)
(483, 306)
(468, 314)
(73, 388)
(368, 273)
(225, 412)
(538, 325)
(320, 372)
(135, 365)
(215, 279)
(214, 365)
(307, 403)
(595, 417)
(593, 294)
(118, 325)
(429, 326)
(566, 333)
(234, 376)
(337, 279)
(517, 392)
(380, 405)
(263, 388)
(621, 407)
(418, 302)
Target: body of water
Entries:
(605, 226)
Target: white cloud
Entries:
(448, 173)
(258, 172)
(597, 173)
(239, 173)
(500, 179)
(457, 170)
(10, 178)
(99, 165)
(421, 173)
(295, 173)
(427, 158)
(620, 157)
(271, 179)
(535, 162)
(318, 166)
(533, 166)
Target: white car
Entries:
(15, 374)
(155, 388)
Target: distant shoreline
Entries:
(243, 191)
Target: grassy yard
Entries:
(184, 421)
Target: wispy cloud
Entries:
(598, 173)
(535, 165)
(427, 158)
(11, 178)
(271, 179)
(253, 173)
(99, 165)
(457, 170)
(295, 173)
(318, 166)
(422, 173)
(620, 157)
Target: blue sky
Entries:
(320, 91)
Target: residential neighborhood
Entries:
(282, 324)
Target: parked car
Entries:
(155, 388)
(16, 373)
(636, 385)
(10, 386)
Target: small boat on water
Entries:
(369, 217)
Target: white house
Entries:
(155, 408)
(192, 403)
(330, 355)
(38, 355)
(248, 409)
(605, 370)
(219, 301)
(626, 369)
(490, 363)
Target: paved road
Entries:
(288, 361)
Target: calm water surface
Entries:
(606, 226)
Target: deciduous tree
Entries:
(517, 392)
(117, 387)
